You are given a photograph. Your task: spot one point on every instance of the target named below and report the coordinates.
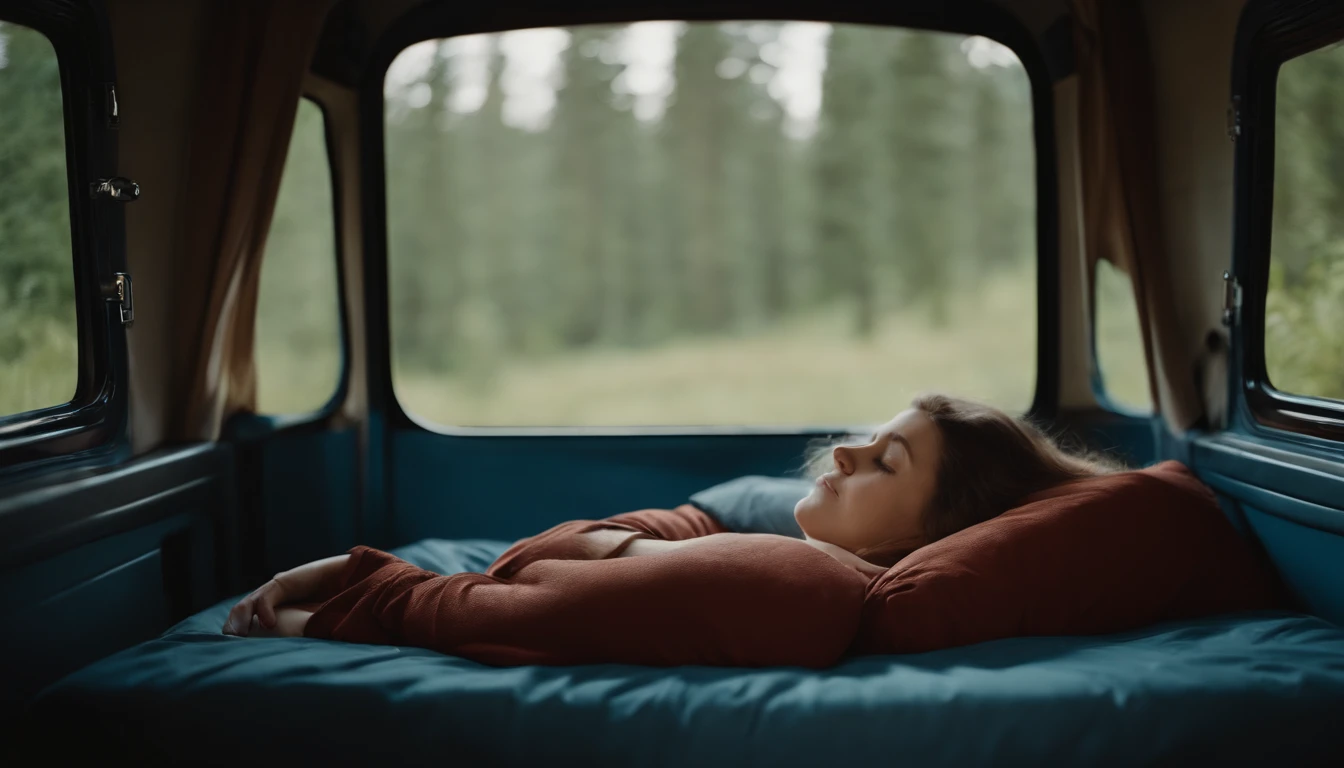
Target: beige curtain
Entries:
(255, 59)
(1121, 213)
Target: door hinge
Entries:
(1231, 299)
(1234, 118)
(120, 292)
(117, 188)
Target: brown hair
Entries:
(990, 461)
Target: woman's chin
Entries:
(805, 511)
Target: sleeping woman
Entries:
(667, 587)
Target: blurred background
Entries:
(750, 223)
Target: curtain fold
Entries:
(256, 57)
(1122, 215)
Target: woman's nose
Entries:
(844, 458)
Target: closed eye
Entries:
(883, 467)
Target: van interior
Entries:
(280, 279)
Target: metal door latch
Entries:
(1231, 299)
(117, 188)
(120, 292)
(111, 111)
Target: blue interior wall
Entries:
(508, 487)
(1290, 499)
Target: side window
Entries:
(298, 336)
(1118, 337)
(682, 224)
(39, 338)
(1304, 306)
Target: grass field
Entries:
(809, 370)
(47, 372)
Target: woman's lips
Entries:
(822, 481)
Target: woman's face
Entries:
(875, 496)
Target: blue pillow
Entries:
(755, 504)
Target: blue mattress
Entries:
(1265, 686)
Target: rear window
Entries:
(1304, 309)
(39, 338)
(747, 223)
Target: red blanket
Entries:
(734, 600)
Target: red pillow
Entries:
(1094, 556)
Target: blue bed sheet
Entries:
(1258, 687)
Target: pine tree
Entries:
(929, 137)
(755, 147)
(696, 137)
(425, 260)
(580, 132)
(850, 159)
(1001, 174)
(36, 261)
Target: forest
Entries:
(729, 219)
(754, 223)
(1304, 314)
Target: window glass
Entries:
(39, 338)
(1304, 310)
(1119, 340)
(734, 223)
(298, 338)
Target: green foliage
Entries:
(298, 332)
(601, 234)
(1119, 346)
(39, 360)
(716, 260)
(1304, 308)
(1304, 345)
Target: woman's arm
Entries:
(607, 538)
(576, 540)
(737, 600)
(313, 581)
(868, 569)
(642, 547)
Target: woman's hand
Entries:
(304, 583)
(290, 621)
(261, 603)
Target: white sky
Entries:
(532, 72)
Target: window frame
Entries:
(1269, 33)
(967, 17)
(92, 426)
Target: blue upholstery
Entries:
(1256, 687)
